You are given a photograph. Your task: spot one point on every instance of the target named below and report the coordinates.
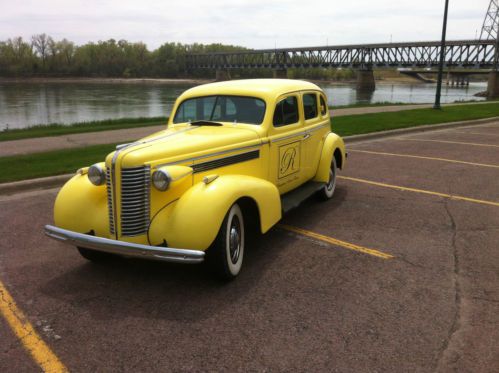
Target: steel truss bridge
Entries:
(475, 54)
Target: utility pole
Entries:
(442, 57)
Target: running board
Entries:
(295, 197)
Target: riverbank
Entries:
(73, 80)
(57, 129)
(58, 162)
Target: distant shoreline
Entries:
(105, 80)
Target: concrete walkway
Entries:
(44, 144)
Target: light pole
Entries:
(442, 57)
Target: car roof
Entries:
(265, 88)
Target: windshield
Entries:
(236, 109)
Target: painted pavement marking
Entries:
(422, 191)
(336, 242)
(423, 157)
(27, 335)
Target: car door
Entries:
(316, 125)
(286, 137)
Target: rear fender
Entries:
(333, 143)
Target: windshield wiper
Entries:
(205, 123)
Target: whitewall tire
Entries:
(327, 191)
(227, 252)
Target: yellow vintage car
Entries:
(234, 156)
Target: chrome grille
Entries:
(110, 200)
(135, 188)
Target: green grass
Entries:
(374, 104)
(57, 129)
(57, 162)
(366, 123)
(69, 160)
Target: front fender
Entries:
(81, 207)
(332, 143)
(193, 221)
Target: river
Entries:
(27, 104)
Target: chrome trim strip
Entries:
(166, 254)
(299, 133)
(288, 137)
(226, 161)
(210, 155)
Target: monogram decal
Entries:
(289, 159)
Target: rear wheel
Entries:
(327, 191)
(227, 251)
(95, 256)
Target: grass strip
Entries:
(57, 129)
(367, 123)
(373, 104)
(57, 162)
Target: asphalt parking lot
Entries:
(399, 272)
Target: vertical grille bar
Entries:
(135, 196)
(110, 200)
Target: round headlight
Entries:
(161, 180)
(96, 175)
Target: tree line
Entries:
(44, 56)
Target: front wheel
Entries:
(227, 251)
(327, 191)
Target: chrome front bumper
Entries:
(107, 245)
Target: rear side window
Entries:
(286, 112)
(310, 105)
(323, 105)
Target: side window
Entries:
(323, 105)
(286, 112)
(310, 105)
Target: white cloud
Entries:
(255, 23)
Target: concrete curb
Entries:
(56, 181)
(31, 184)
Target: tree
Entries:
(41, 44)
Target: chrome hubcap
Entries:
(329, 185)
(235, 240)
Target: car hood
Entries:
(183, 143)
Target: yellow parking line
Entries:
(22, 328)
(422, 157)
(447, 142)
(336, 242)
(444, 195)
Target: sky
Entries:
(253, 24)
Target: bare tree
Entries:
(41, 44)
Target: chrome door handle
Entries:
(306, 136)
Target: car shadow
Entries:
(184, 293)
(313, 209)
(155, 290)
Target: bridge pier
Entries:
(280, 74)
(222, 75)
(493, 85)
(458, 79)
(365, 80)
